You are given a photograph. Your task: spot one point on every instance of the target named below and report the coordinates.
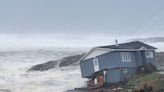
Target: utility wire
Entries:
(153, 25)
(145, 21)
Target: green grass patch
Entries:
(152, 79)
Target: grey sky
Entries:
(79, 16)
(84, 22)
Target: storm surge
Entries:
(15, 77)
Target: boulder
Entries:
(66, 61)
(44, 66)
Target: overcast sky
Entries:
(89, 22)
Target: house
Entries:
(116, 62)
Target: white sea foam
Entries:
(14, 75)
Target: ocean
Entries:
(15, 63)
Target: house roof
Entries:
(130, 45)
(136, 45)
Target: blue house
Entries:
(117, 62)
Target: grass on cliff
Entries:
(154, 79)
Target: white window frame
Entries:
(125, 56)
(125, 70)
(149, 54)
(95, 60)
(96, 64)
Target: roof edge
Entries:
(91, 51)
(110, 50)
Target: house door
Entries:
(96, 64)
(143, 57)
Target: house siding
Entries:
(87, 68)
(147, 60)
(113, 59)
(117, 75)
(112, 76)
(143, 56)
(151, 60)
(138, 58)
(130, 71)
(106, 61)
(141, 59)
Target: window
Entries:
(149, 54)
(125, 70)
(126, 57)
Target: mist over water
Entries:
(16, 41)
(12, 42)
(29, 41)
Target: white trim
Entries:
(143, 48)
(149, 54)
(83, 58)
(104, 72)
(86, 54)
(96, 52)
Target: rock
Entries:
(44, 66)
(66, 61)
(70, 60)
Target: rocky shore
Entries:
(90, 90)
